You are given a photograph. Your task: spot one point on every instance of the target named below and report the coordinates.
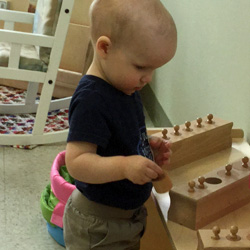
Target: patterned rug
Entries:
(23, 123)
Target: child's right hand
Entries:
(141, 170)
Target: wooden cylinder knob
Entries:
(199, 121)
(210, 118)
(191, 185)
(228, 169)
(164, 134)
(233, 234)
(245, 161)
(216, 232)
(201, 180)
(187, 125)
(176, 130)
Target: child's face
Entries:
(130, 67)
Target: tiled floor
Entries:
(23, 176)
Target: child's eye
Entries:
(139, 67)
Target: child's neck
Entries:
(96, 70)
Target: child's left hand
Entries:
(161, 150)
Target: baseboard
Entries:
(154, 108)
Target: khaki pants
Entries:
(89, 225)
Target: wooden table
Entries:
(184, 238)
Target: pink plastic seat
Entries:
(61, 189)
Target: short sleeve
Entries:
(88, 120)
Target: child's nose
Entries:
(147, 78)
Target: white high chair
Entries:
(35, 57)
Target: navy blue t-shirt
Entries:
(115, 122)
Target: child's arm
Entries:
(85, 165)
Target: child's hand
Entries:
(141, 170)
(161, 150)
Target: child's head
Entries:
(131, 38)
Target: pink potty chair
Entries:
(61, 189)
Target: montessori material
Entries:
(225, 239)
(194, 205)
(192, 141)
(163, 184)
(197, 139)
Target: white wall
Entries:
(210, 72)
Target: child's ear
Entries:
(103, 46)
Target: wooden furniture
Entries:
(184, 238)
(192, 141)
(226, 239)
(156, 236)
(197, 139)
(77, 52)
(19, 61)
(229, 185)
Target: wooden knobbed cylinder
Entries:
(163, 184)
(216, 232)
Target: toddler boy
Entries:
(108, 152)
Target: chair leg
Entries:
(43, 108)
(31, 93)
